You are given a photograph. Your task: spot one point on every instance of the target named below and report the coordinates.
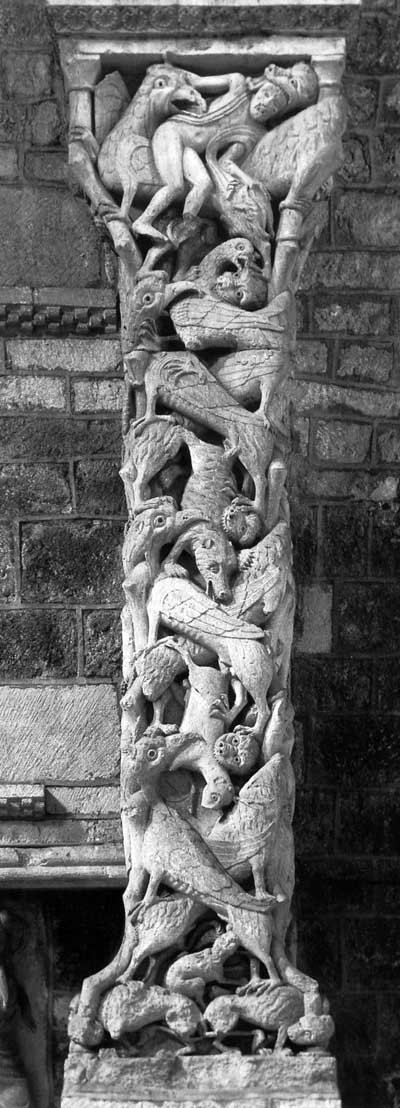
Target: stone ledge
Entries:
(276, 1080)
(57, 311)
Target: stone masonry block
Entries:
(8, 163)
(48, 238)
(59, 733)
(97, 396)
(99, 488)
(390, 109)
(103, 643)
(315, 617)
(369, 617)
(7, 580)
(388, 685)
(44, 126)
(365, 363)
(313, 824)
(311, 357)
(39, 436)
(367, 219)
(356, 167)
(50, 167)
(345, 539)
(32, 392)
(358, 317)
(369, 822)
(321, 395)
(372, 947)
(89, 801)
(331, 684)
(386, 158)
(388, 444)
(355, 270)
(26, 76)
(75, 355)
(24, 22)
(35, 488)
(349, 756)
(385, 542)
(362, 100)
(304, 528)
(37, 643)
(342, 442)
(72, 560)
(12, 120)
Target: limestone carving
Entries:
(206, 184)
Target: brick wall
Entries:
(62, 513)
(344, 490)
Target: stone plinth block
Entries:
(276, 1080)
(65, 734)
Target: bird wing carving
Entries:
(182, 603)
(111, 97)
(207, 321)
(191, 866)
(267, 587)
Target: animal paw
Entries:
(85, 1030)
(140, 227)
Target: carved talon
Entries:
(140, 227)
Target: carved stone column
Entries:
(205, 160)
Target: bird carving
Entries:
(175, 853)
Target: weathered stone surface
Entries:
(59, 733)
(369, 822)
(345, 540)
(386, 158)
(94, 801)
(73, 560)
(7, 579)
(314, 820)
(385, 540)
(315, 620)
(390, 108)
(388, 444)
(308, 1078)
(8, 163)
(320, 951)
(12, 120)
(365, 363)
(362, 100)
(75, 355)
(99, 488)
(37, 643)
(342, 756)
(35, 488)
(32, 392)
(337, 441)
(97, 396)
(331, 684)
(38, 436)
(300, 428)
(363, 220)
(103, 643)
(44, 128)
(372, 947)
(47, 239)
(338, 483)
(311, 357)
(367, 402)
(358, 317)
(369, 617)
(354, 270)
(356, 168)
(26, 76)
(50, 167)
(304, 540)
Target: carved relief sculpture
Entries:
(207, 186)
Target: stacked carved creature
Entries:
(208, 332)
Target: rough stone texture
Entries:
(41, 436)
(44, 128)
(7, 576)
(72, 561)
(99, 488)
(366, 363)
(342, 442)
(34, 489)
(37, 643)
(32, 392)
(59, 733)
(315, 618)
(97, 396)
(102, 636)
(75, 355)
(308, 1079)
(48, 238)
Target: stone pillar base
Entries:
(280, 1080)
